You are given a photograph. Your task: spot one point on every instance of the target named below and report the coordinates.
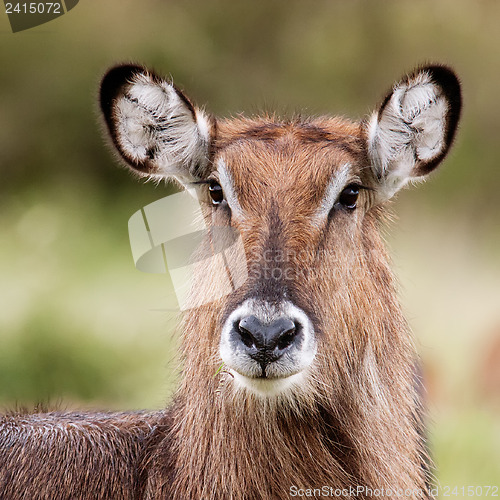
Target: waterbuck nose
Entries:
(266, 342)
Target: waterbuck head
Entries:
(317, 307)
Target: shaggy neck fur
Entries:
(356, 423)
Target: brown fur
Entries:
(66, 456)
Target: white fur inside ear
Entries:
(155, 124)
(409, 130)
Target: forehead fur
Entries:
(268, 155)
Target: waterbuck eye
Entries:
(349, 196)
(216, 193)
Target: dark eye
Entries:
(349, 196)
(215, 190)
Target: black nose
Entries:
(266, 342)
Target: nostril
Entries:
(245, 336)
(287, 338)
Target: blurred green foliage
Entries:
(79, 324)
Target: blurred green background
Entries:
(80, 327)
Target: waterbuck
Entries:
(318, 392)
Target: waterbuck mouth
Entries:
(268, 387)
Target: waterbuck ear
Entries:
(413, 129)
(154, 126)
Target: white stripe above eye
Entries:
(335, 186)
(227, 184)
